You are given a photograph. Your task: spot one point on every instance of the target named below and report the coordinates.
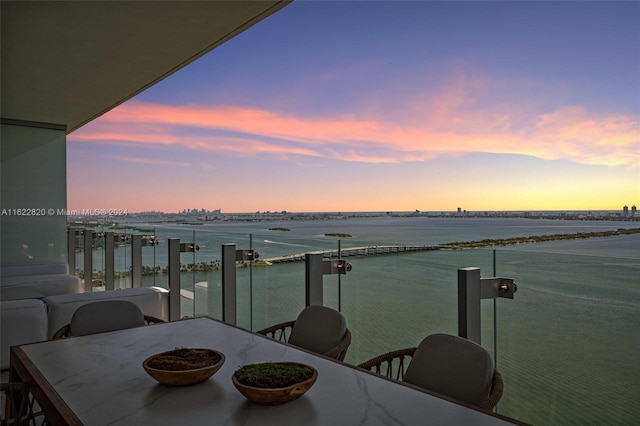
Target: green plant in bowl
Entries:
(274, 383)
(183, 366)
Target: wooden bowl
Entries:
(183, 377)
(276, 396)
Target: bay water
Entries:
(567, 345)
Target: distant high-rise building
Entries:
(633, 211)
(625, 211)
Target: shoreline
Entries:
(537, 239)
(210, 217)
(215, 265)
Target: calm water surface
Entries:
(567, 345)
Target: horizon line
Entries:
(122, 212)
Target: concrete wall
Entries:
(33, 194)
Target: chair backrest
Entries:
(452, 366)
(105, 315)
(18, 405)
(318, 329)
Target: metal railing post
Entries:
(173, 271)
(314, 269)
(109, 260)
(88, 259)
(471, 289)
(229, 293)
(229, 283)
(469, 303)
(136, 261)
(71, 249)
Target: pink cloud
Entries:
(152, 161)
(456, 120)
(575, 134)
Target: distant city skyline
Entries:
(625, 211)
(384, 106)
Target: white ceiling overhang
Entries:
(68, 62)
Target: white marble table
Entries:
(99, 380)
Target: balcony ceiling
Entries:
(68, 62)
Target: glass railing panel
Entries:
(270, 291)
(270, 294)
(79, 258)
(404, 283)
(93, 279)
(122, 257)
(267, 295)
(393, 301)
(153, 257)
(200, 276)
(98, 259)
(569, 336)
(190, 272)
(568, 342)
(332, 291)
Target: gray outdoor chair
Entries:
(18, 405)
(318, 329)
(445, 364)
(103, 316)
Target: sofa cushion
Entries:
(46, 284)
(34, 268)
(152, 301)
(21, 321)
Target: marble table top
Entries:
(101, 380)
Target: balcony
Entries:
(568, 337)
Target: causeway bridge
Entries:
(353, 251)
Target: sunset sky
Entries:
(384, 106)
